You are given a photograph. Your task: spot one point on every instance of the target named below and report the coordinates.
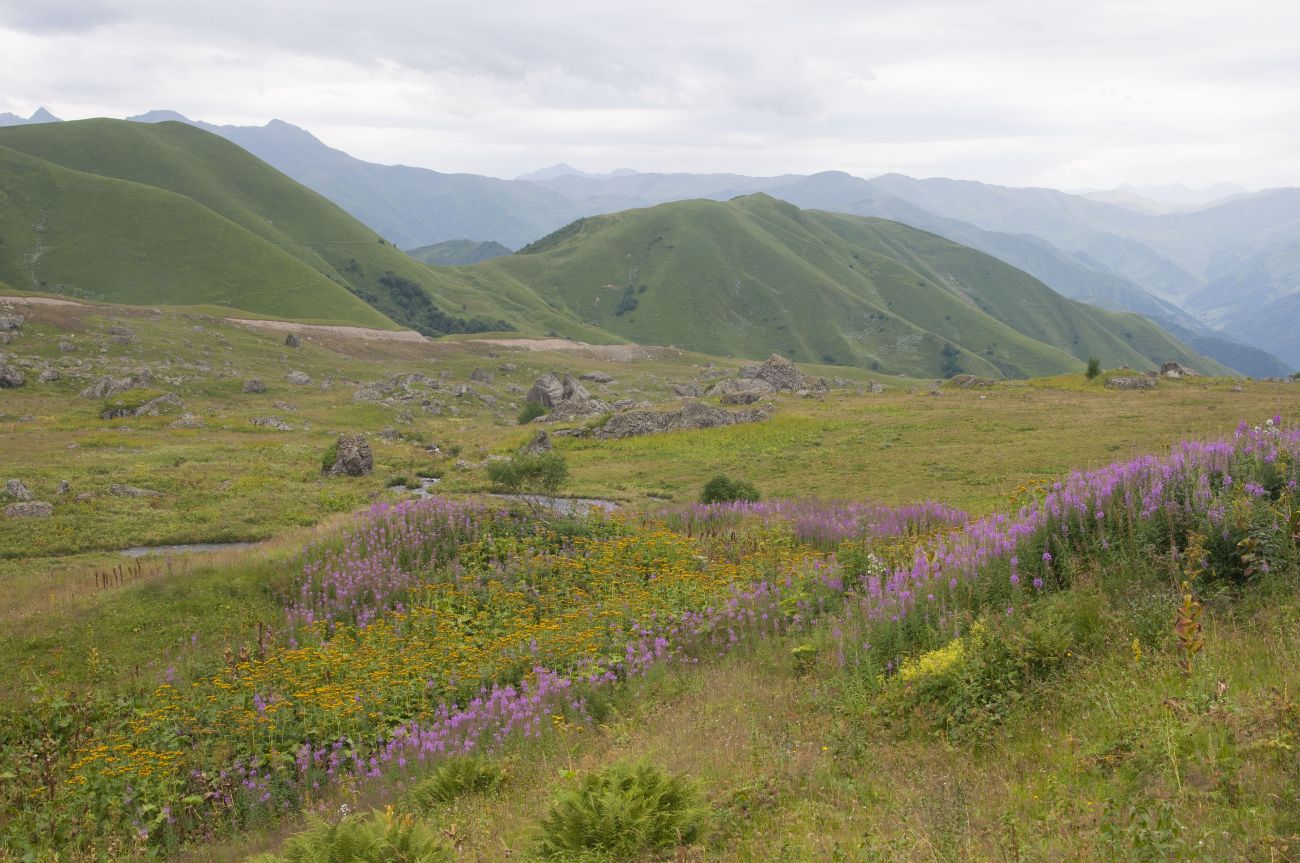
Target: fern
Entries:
(380, 837)
(454, 778)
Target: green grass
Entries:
(456, 253)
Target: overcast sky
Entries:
(1023, 92)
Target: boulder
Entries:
(11, 378)
(30, 509)
(596, 377)
(188, 421)
(285, 406)
(742, 386)
(482, 376)
(18, 490)
(299, 378)
(49, 376)
(740, 398)
(291, 341)
(687, 391)
(783, 375)
(507, 367)
(151, 408)
(1172, 369)
(254, 385)
(11, 323)
(107, 387)
(67, 347)
(967, 382)
(565, 398)
(875, 387)
(691, 415)
(64, 487)
(271, 423)
(352, 456)
(540, 443)
(1131, 383)
(130, 491)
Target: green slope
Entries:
(755, 275)
(457, 253)
(69, 232)
(230, 183)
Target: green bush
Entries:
(330, 456)
(380, 837)
(1094, 368)
(542, 473)
(622, 813)
(724, 489)
(399, 481)
(530, 412)
(457, 777)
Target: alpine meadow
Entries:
(901, 467)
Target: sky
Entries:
(1020, 92)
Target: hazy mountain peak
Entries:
(562, 169)
(39, 116)
(160, 116)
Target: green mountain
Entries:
(168, 213)
(756, 275)
(458, 253)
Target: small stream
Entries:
(562, 505)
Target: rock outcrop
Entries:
(10, 377)
(565, 398)
(596, 378)
(107, 387)
(1131, 383)
(352, 457)
(691, 415)
(775, 375)
(299, 378)
(1177, 370)
(11, 323)
(291, 341)
(540, 443)
(30, 509)
(18, 490)
(254, 385)
(271, 423)
(152, 408)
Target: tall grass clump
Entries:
(379, 837)
(621, 813)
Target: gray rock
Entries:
(1131, 383)
(11, 323)
(285, 406)
(31, 509)
(740, 398)
(254, 385)
(49, 376)
(271, 423)
(482, 376)
(189, 421)
(84, 496)
(687, 390)
(151, 408)
(551, 389)
(389, 433)
(1172, 369)
(540, 443)
(121, 331)
(367, 395)
(299, 378)
(6, 338)
(691, 415)
(64, 487)
(130, 491)
(291, 341)
(507, 367)
(353, 457)
(107, 387)
(742, 386)
(875, 387)
(11, 378)
(783, 375)
(67, 347)
(967, 382)
(16, 489)
(596, 377)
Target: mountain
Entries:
(168, 213)
(456, 253)
(563, 170)
(39, 116)
(756, 275)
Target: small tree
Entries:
(543, 473)
(530, 412)
(1094, 368)
(724, 489)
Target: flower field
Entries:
(444, 626)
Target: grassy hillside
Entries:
(754, 275)
(222, 178)
(75, 233)
(456, 253)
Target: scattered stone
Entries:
(291, 341)
(596, 378)
(32, 509)
(121, 331)
(131, 491)
(482, 376)
(875, 387)
(691, 415)
(11, 323)
(1237, 388)
(623, 404)
(970, 381)
(6, 338)
(352, 456)
(691, 391)
(507, 367)
(49, 376)
(389, 433)
(461, 464)
(271, 423)
(565, 398)
(16, 489)
(299, 378)
(189, 421)
(740, 398)
(461, 390)
(151, 408)
(64, 487)
(254, 385)
(742, 386)
(540, 443)
(783, 375)
(84, 496)
(285, 406)
(1173, 369)
(1131, 383)
(367, 395)
(67, 347)
(119, 340)
(488, 400)
(11, 378)
(108, 387)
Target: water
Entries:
(426, 483)
(186, 548)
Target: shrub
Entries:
(541, 473)
(330, 456)
(457, 777)
(380, 837)
(397, 481)
(530, 412)
(623, 812)
(1094, 368)
(723, 489)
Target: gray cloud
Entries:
(1015, 91)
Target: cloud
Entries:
(1013, 91)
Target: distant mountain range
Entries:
(39, 116)
(1219, 275)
